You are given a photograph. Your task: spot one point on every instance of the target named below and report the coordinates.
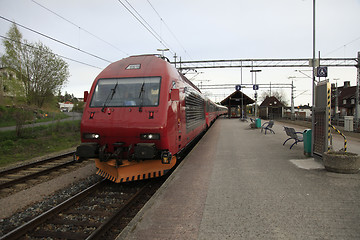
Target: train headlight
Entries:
(150, 136)
(91, 136)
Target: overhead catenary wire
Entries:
(71, 59)
(343, 46)
(80, 28)
(162, 40)
(54, 39)
(152, 29)
(146, 26)
(168, 28)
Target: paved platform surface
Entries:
(238, 183)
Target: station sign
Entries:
(321, 71)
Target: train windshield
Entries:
(122, 92)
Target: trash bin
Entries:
(348, 123)
(258, 123)
(307, 142)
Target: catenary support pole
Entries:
(313, 86)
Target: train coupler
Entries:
(166, 157)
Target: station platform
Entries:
(238, 183)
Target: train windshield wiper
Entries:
(141, 96)
(142, 89)
(109, 97)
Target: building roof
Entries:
(271, 102)
(344, 92)
(234, 99)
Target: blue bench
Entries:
(297, 136)
(267, 126)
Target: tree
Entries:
(78, 107)
(279, 94)
(41, 71)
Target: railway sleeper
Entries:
(59, 221)
(101, 213)
(59, 235)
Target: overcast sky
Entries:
(194, 30)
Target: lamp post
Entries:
(292, 99)
(256, 109)
(162, 51)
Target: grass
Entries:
(38, 141)
(8, 116)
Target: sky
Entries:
(194, 30)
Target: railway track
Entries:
(23, 174)
(90, 214)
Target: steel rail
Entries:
(23, 229)
(33, 164)
(96, 234)
(36, 174)
(104, 227)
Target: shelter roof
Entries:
(271, 102)
(234, 99)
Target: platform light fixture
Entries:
(255, 71)
(162, 51)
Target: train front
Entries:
(124, 126)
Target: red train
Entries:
(139, 115)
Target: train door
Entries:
(207, 111)
(178, 116)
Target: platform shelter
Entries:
(236, 103)
(271, 108)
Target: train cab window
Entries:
(122, 92)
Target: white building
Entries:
(301, 112)
(66, 106)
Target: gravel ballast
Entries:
(22, 206)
